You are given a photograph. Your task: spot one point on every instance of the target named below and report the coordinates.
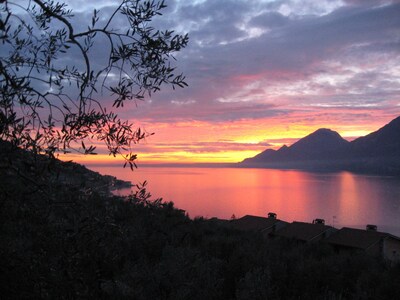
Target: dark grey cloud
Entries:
(371, 2)
(160, 112)
(270, 20)
(222, 49)
(258, 56)
(292, 49)
(217, 21)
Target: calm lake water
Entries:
(342, 199)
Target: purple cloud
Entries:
(289, 60)
(290, 49)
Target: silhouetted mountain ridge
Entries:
(383, 142)
(322, 143)
(324, 149)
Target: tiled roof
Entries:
(253, 223)
(357, 238)
(303, 231)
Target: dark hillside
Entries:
(320, 144)
(73, 241)
(383, 142)
(39, 168)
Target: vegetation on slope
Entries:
(62, 241)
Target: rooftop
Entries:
(303, 231)
(357, 238)
(249, 222)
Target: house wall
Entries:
(327, 233)
(375, 250)
(278, 225)
(391, 249)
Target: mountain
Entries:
(321, 144)
(41, 169)
(383, 142)
(324, 149)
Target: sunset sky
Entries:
(264, 73)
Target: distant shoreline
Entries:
(253, 166)
(168, 165)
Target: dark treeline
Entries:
(65, 241)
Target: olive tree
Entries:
(52, 79)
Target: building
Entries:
(306, 232)
(369, 240)
(261, 224)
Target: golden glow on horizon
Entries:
(354, 134)
(170, 157)
(229, 142)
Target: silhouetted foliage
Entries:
(50, 82)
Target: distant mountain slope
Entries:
(383, 142)
(321, 144)
(41, 169)
(324, 149)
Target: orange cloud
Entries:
(194, 142)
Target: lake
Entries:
(342, 199)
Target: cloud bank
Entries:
(268, 70)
